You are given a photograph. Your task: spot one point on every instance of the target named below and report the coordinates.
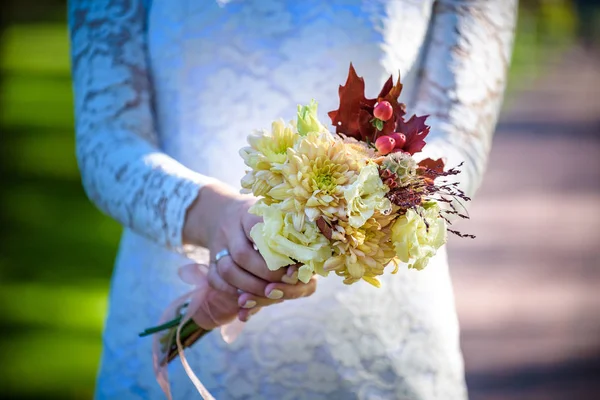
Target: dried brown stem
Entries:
(186, 342)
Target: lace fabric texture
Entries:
(165, 96)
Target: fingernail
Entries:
(275, 294)
(249, 304)
(292, 280)
(252, 312)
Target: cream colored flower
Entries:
(281, 244)
(308, 120)
(418, 234)
(265, 156)
(361, 253)
(317, 169)
(366, 196)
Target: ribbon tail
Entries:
(160, 368)
(186, 366)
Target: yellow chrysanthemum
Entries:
(265, 156)
(317, 169)
(361, 253)
(418, 234)
(282, 244)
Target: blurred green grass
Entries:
(56, 249)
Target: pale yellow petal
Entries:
(273, 259)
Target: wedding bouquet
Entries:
(350, 202)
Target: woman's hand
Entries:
(218, 307)
(219, 220)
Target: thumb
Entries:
(216, 308)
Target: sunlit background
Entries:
(527, 288)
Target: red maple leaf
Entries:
(355, 118)
(368, 132)
(347, 117)
(415, 131)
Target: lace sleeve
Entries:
(122, 169)
(463, 80)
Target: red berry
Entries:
(400, 139)
(383, 111)
(385, 145)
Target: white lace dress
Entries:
(165, 96)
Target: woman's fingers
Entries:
(276, 293)
(239, 278)
(291, 275)
(282, 291)
(244, 314)
(250, 301)
(247, 258)
(216, 281)
(215, 308)
(248, 221)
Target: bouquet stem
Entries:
(190, 333)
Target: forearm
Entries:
(463, 81)
(123, 171)
(139, 186)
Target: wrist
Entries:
(202, 216)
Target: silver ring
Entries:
(221, 254)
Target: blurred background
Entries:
(527, 289)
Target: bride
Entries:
(166, 92)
